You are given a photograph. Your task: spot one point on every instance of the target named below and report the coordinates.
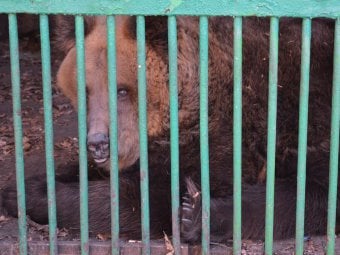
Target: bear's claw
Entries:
(191, 215)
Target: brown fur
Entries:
(255, 87)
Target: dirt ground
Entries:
(66, 159)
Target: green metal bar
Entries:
(19, 154)
(237, 134)
(334, 152)
(48, 117)
(114, 167)
(303, 127)
(174, 137)
(143, 134)
(204, 133)
(292, 8)
(271, 142)
(84, 211)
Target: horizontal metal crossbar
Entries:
(289, 8)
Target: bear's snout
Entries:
(98, 147)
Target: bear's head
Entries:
(127, 81)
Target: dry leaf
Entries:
(169, 247)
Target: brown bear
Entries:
(255, 87)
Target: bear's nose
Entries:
(98, 147)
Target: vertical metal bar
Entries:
(19, 154)
(48, 117)
(84, 226)
(143, 133)
(114, 168)
(204, 133)
(334, 144)
(271, 142)
(237, 134)
(303, 125)
(173, 91)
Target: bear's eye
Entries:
(122, 92)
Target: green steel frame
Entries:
(174, 133)
(112, 89)
(292, 8)
(237, 133)
(17, 122)
(306, 9)
(47, 90)
(271, 143)
(204, 140)
(143, 133)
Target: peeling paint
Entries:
(173, 4)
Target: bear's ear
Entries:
(64, 32)
(156, 28)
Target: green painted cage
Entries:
(274, 10)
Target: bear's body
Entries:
(255, 91)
